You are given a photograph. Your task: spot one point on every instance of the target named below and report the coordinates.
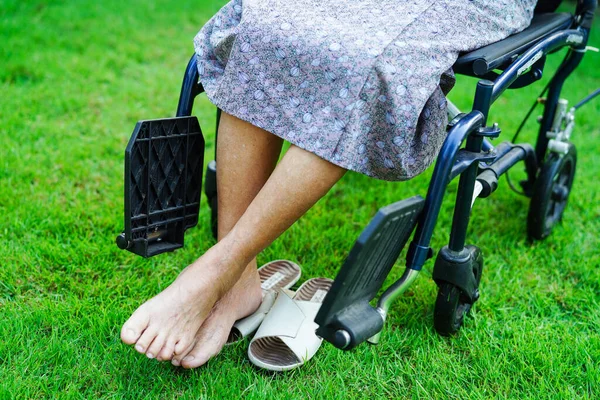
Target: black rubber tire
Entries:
(451, 305)
(551, 193)
(449, 312)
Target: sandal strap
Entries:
(293, 322)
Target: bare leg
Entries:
(213, 333)
(297, 183)
(247, 156)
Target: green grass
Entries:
(75, 76)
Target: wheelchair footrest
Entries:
(163, 181)
(346, 318)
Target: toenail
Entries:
(150, 355)
(175, 363)
(131, 332)
(188, 358)
(139, 348)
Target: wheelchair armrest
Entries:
(481, 61)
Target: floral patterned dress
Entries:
(359, 83)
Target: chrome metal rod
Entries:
(453, 111)
(391, 294)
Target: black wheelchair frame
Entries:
(159, 210)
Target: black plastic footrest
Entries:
(163, 182)
(346, 318)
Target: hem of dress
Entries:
(372, 69)
(223, 106)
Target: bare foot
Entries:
(242, 300)
(167, 323)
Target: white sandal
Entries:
(286, 339)
(274, 276)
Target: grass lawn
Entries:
(75, 76)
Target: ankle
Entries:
(238, 246)
(233, 265)
(246, 291)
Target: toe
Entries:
(145, 340)
(183, 345)
(210, 343)
(200, 354)
(166, 353)
(176, 360)
(156, 346)
(196, 358)
(135, 325)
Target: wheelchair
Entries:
(164, 162)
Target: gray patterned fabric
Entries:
(359, 83)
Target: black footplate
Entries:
(346, 318)
(163, 182)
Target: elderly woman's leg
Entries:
(175, 315)
(264, 211)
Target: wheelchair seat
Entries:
(497, 55)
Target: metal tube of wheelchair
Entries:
(438, 184)
(466, 185)
(390, 295)
(587, 98)
(572, 60)
(487, 145)
(552, 42)
(190, 88)
(585, 10)
(489, 177)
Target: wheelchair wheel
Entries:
(451, 305)
(550, 193)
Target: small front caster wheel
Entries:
(550, 193)
(452, 305)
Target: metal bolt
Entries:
(122, 242)
(342, 339)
